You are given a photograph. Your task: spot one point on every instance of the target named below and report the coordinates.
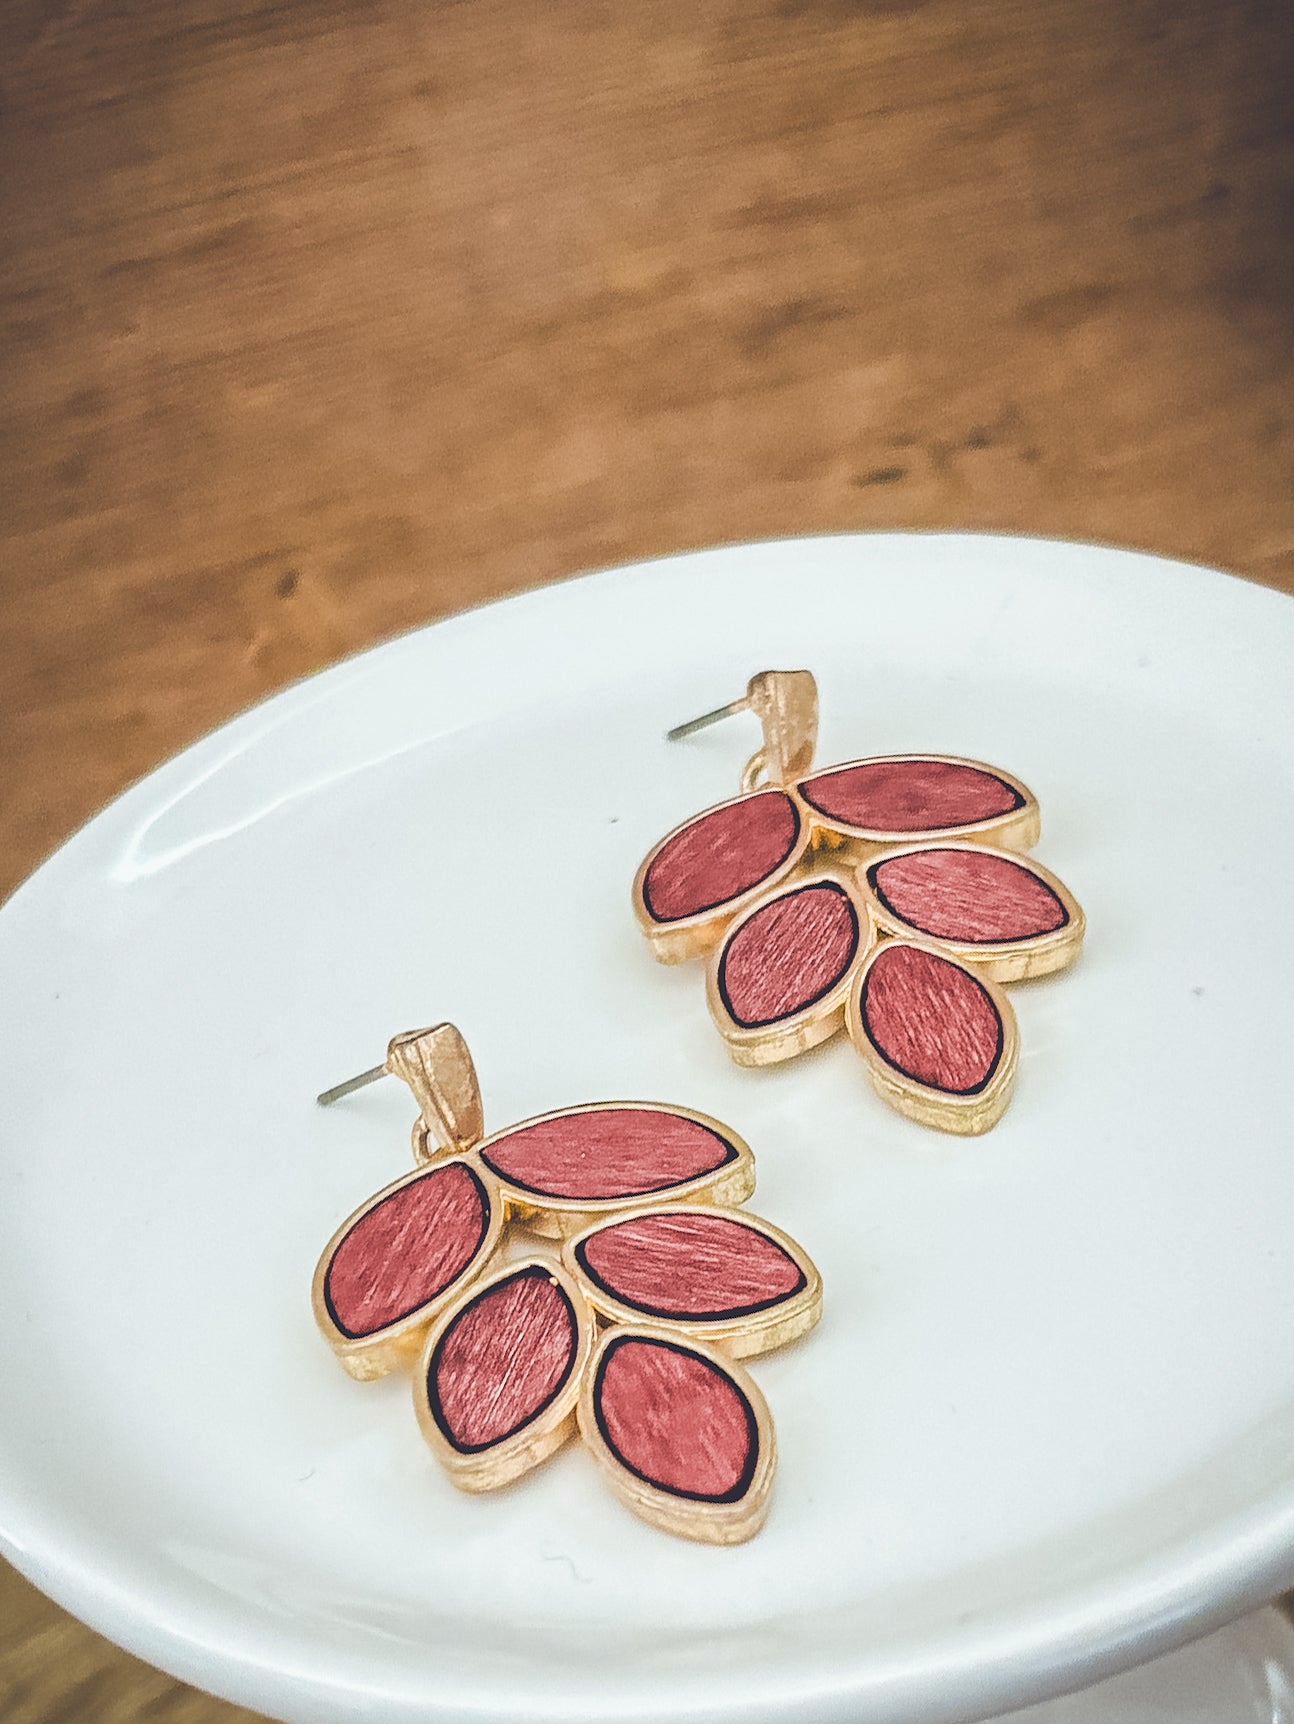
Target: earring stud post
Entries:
(707, 718)
(329, 1096)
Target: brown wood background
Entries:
(322, 319)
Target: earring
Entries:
(706, 871)
(906, 947)
(626, 1330)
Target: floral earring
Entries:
(627, 1328)
(885, 893)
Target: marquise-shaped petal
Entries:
(778, 982)
(581, 1162)
(499, 1377)
(720, 854)
(788, 954)
(898, 798)
(702, 874)
(939, 1040)
(716, 1273)
(1007, 915)
(399, 1259)
(682, 1434)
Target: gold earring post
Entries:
(437, 1067)
(786, 704)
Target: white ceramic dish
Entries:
(1046, 1427)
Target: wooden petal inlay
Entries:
(790, 953)
(606, 1153)
(406, 1250)
(967, 895)
(503, 1359)
(909, 795)
(931, 1019)
(676, 1420)
(720, 855)
(684, 1265)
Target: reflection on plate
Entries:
(1044, 1428)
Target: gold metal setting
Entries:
(438, 1069)
(786, 704)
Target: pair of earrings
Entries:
(591, 1271)
(886, 896)
(622, 1316)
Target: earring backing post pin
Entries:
(350, 1086)
(707, 718)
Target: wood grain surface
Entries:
(323, 319)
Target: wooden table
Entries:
(323, 319)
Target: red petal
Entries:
(502, 1360)
(931, 1019)
(680, 1264)
(720, 855)
(967, 895)
(675, 1419)
(406, 1250)
(790, 953)
(606, 1153)
(911, 795)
